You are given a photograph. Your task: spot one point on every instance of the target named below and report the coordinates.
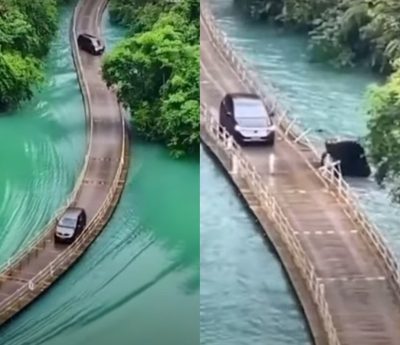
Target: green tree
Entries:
(156, 71)
(347, 32)
(17, 74)
(26, 30)
(384, 132)
(16, 33)
(42, 16)
(344, 32)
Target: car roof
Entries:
(245, 106)
(72, 212)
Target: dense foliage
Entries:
(156, 70)
(347, 32)
(384, 132)
(26, 30)
(342, 31)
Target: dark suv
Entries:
(90, 44)
(244, 116)
(70, 225)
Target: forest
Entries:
(350, 33)
(24, 42)
(155, 70)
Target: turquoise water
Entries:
(329, 101)
(139, 282)
(42, 146)
(245, 298)
(140, 271)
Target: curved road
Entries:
(106, 167)
(362, 303)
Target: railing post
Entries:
(209, 125)
(289, 127)
(234, 164)
(331, 177)
(229, 142)
(273, 209)
(302, 135)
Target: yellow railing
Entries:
(240, 166)
(295, 136)
(62, 261)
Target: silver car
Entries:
(70, 225)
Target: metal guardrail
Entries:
(295, 136)
(62, 261)
(241, 166)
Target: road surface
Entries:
(362, 304)
(106, 135)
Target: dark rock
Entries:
(351, 155)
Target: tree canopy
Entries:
(156, 70)
(384, 132)
(26, 30)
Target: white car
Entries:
(70, 225)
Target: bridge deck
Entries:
(363, 306)
(104, 156)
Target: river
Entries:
(331, 102)
(245, 296)
(139, 281)
(252, 302)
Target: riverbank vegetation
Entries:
(26, 31)
(384, 131)
(155, 70)
(344, 32)
(348, 33)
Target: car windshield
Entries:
(251, 113)
(67, 222)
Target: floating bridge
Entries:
(98, 189)
(344, 274)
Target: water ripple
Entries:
(330, 102)
(244, 295)
(43, 145)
